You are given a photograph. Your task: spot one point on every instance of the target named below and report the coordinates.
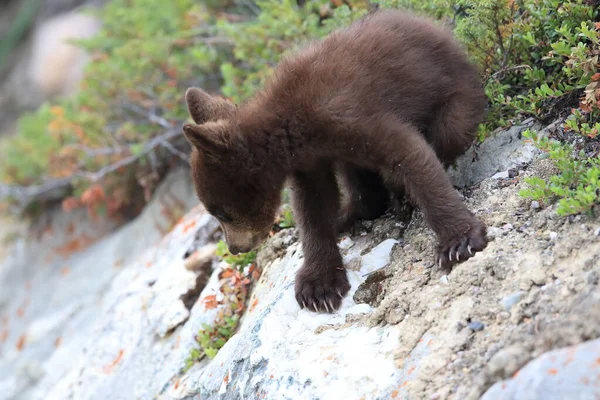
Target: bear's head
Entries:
(242, 196)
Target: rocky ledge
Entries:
(116, 317)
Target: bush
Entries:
(122, 129)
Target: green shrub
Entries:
(147, 54)
(278, 29)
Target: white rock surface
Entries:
(59, 307)
(493, 158)
(283, 352)
(108, 322)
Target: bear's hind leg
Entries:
(368, 197)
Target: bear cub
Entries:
(384, 104)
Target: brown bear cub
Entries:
(386, 104)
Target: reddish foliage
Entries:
(254, 272)
(226, 273)
(70, 203)
(210, 302)
(75, 245)
(93, 195)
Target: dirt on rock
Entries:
(533, 289)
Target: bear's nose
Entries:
(234, 249)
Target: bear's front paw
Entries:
(320, 290)
(462, 247)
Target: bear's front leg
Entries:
(321, 283)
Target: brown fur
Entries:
(385, 104)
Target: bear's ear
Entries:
(204, 107)
(209, 138)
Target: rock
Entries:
(56, 66)
(567, 373)
(509, 301)
(368, 291)
(476, 326)
(499, 153)
(345, 243)
(591, 277)
(379, 257)
(506, 362)
(502, 316)
(201, 259)
(508, 227)
(44, 65)
(534, 275)
(494, 231)
(85, 290)
(277, 346)
(535, 205)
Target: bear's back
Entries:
(406, 64)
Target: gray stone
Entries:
(534, 275)
(568, 373)
(476, 326)
(497, 154)
(501, 175)
(494, 231)
(506, 362)
(509, 301)
(201, 258)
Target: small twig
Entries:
(104, 151)
(174, 151)
(250, 5)
(499, 35)
(151, 145)
(150, 115)
(214, 40)
(508, 69)
(24, 194)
